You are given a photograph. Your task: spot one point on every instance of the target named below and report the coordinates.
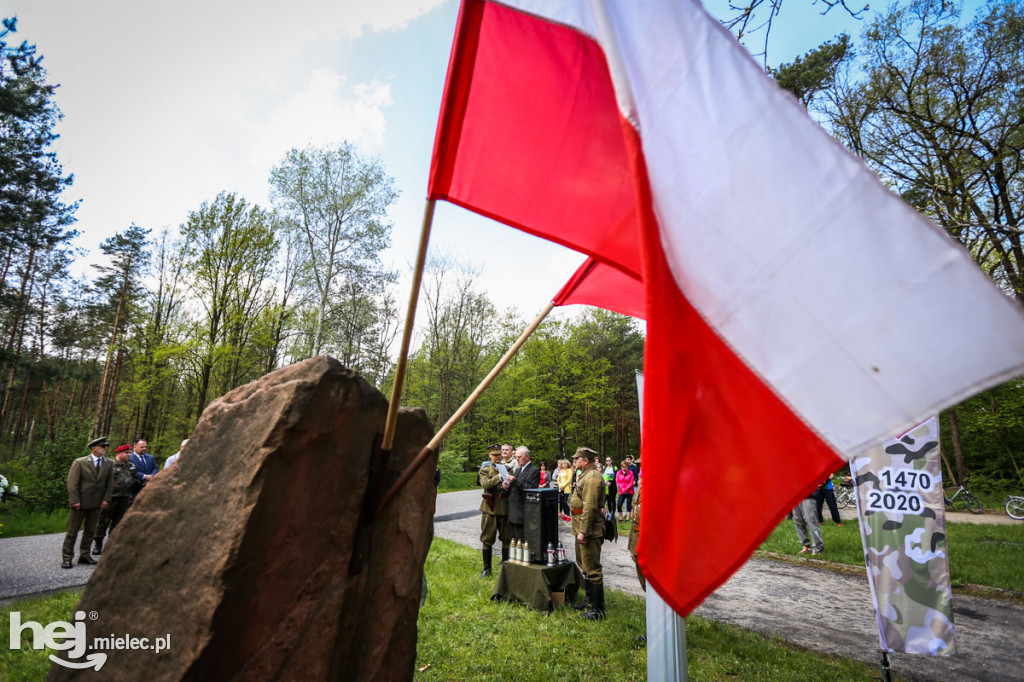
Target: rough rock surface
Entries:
(240, 553)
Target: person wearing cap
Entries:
(126, 484)
(493, 509)
(90, 485)
(588, 527)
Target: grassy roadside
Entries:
(16, 523)
(453, 482)
(465, 636)
(979, 554)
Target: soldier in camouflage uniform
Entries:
(586, 506)
(494, 510)
(126, 485)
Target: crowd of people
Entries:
(587, 495)
(101, 490)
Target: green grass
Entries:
(18, 522)
(27, 664)
(461, 481)
(985, 554)
(465, 636)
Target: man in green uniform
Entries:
(588, 527)
(126, 485)
(89, 488)
(494, 509)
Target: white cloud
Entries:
(323, 112)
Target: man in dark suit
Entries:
(527, 476)
(145, 463)
(90, 484)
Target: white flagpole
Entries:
(666, 631)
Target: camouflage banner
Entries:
(903, 528)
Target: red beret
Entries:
(123, 448)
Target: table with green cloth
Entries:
(533, 583)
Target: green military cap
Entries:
(493, 449)
(100, 442)
(585, 453)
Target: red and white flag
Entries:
(603, 286)
(796, 309)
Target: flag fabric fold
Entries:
(603, 286)
(797, 310)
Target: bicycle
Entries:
(969, 501)
(846, 495)
(1015, 507)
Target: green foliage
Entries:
(31, 211)
(463, 480)
(463, 635)
(44, 483)
(808, 75)
(572, 383)
(335, 203)
(992, 438)
(933, 104)
(229, 249)
(450, 462)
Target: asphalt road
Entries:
(808, 606)
(31, 565)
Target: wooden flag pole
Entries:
(379, 458)
(410, 316)
(463, 409)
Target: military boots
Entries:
(487, 563)
(596, 611)
(98, 546)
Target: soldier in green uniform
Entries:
(493, 508)
(126, 485)
(588, 526)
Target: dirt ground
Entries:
(812, 607)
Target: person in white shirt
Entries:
(174, 458)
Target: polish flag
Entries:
(798, 312)
(603, 286)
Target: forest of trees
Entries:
(170, 321)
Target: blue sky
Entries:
(166, 104)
